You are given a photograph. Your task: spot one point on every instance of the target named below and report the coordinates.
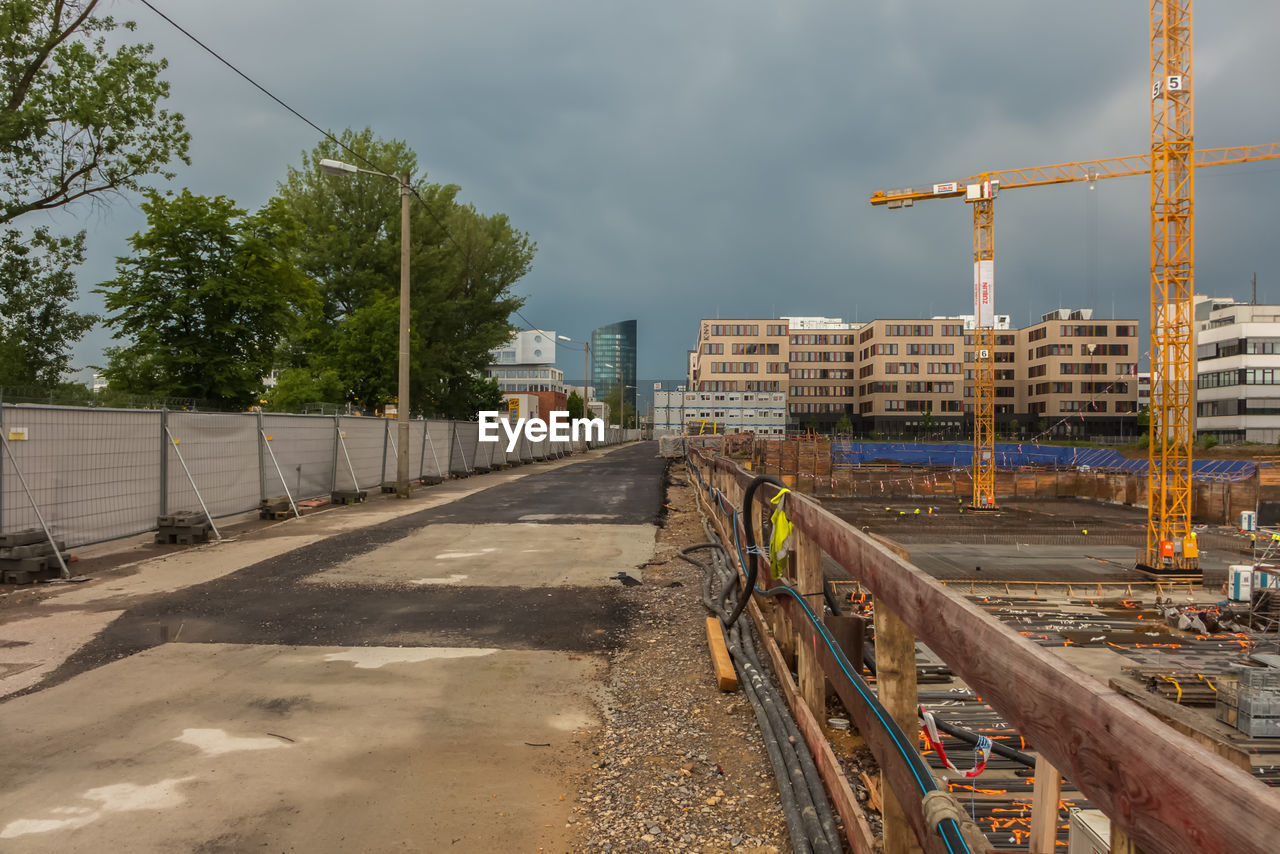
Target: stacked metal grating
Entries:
(185, 528)
(28, 556)
(1258, 703)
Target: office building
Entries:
(1237, 371)
(613, 363)
(700, 413)
(1066, 375)
(526, 365)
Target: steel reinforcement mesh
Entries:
(94, 473)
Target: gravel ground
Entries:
(679, 765)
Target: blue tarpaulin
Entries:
(1022, 455)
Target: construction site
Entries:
(1100, 637)
(701, 644)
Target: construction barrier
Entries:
(97, 474)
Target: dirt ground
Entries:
(680, 764)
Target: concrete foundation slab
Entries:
(215, 747)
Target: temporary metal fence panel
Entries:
(95, 473)
(484, 453)
(466, 436)
(366, 443)
(303, 448)
(416, 430)
(498, 454)
(221, 452)
(525, 448)
(435, 459)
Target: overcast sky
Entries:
(678, 160)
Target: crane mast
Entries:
(1171, 547)
(982, 198)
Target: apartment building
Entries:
(1081, 375)
(911, 377)
(823, 367)
(740, 355)
(1237, 370)
(1067, 374)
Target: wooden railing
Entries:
(1164, 791)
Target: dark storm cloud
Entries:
(678, 160)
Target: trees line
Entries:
(213, 297)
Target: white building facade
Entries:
(1237, 371)
(526, 363)
(715, 412)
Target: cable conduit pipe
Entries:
(949, 829)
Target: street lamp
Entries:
(586, 357)
(337, 167)
(622, 396)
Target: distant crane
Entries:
(980, 191)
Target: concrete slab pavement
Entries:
(523, 554)
(221, 748)
(414, 717)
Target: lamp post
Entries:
(586, 377)
(337, 167)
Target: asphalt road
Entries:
(419, 681)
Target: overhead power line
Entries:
(326, 134)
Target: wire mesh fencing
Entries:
(95, 474)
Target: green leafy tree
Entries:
(926, 423)
(463, 265)
(621, 412)
(297, 387)
(575, 405)
(80, 112)
(844, 426)
(461, 397)
(205, 300)
(37, 287)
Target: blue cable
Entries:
(890, 726)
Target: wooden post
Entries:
(896, 681)
(1044, 808)
(809, 581)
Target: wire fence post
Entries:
(440, 473)
(164, 461)
(386, 437)
(262, 463)
(395, 449)
(337, 437)
(422, 457)
(174, 442)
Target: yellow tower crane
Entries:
(980, 191)
(1171, 547)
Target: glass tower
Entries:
(613, 364)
